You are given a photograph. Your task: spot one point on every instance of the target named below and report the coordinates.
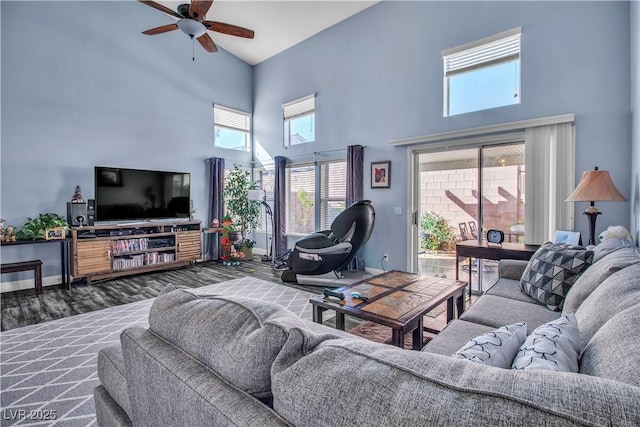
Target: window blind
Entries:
(333, 191)
(232, 119)
(299, 107)
(301, 196)
(503, 47)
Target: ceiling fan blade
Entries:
(160, 30)
(233, 30)
(207, 43)
(199, 9)
(160, 8)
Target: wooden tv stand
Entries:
(106, 251)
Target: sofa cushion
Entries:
(494, 311)
(360, 383)
(168, 387)
(554, 346)
(453, 336)
(552, 271)
(237, 337)
(111, 373)
(495, 348)
(618, 292)
(612, 352)
(596, 274)
(609, 246)
(509, 288)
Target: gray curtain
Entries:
(355, 191)
(279, 207)
(216, 202)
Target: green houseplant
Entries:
(245, 213)
(437, 234)
(34, 228)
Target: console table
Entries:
(473, 249)
(65, 246)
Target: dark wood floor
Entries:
(25, 307)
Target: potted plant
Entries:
(244, 213)
(34, 228)
(245, 246)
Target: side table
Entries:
(474, 249)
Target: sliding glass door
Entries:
(461, 193)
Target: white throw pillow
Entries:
(554, 346)
(496, 348)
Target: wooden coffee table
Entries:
(396, 299)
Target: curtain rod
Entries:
(315, 153)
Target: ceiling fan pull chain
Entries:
(193, 49)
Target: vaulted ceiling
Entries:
(278, 25)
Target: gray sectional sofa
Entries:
(214, 361)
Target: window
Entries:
(482, 74)
(316, 194)
(299, 121)
(232, 128)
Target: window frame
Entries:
(230, 119)
(296, 109)
(501, 48)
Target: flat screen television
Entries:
(135, 194)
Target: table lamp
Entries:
(595, 186)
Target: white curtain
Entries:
(550, 178)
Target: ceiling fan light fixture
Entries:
(191, 27)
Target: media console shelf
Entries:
(105, 251)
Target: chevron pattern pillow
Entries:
(552, 271)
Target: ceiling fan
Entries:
(191, 21)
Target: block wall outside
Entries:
(453, 194)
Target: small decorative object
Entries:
(381, 174)
(615, 232)
(77, 195)
(495, 237)
(192, 213)
(55, 233)
(9, 234)
(215, 223)
(568, 237)
(2, 230)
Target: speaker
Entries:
(77, 214)
(91, 211)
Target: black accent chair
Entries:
(333, 250)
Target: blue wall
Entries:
(82, 87)
(635, 118)
(378, 77)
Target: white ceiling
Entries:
(278, 25)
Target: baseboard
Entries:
(373, 271)
(18, 285)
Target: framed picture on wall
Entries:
(381, 174)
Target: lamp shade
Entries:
(596, 186)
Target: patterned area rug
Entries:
(48, 371)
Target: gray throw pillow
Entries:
(552, 271)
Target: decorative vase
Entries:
(248, 252)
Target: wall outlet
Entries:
(385, 257)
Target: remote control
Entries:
(332, 293)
